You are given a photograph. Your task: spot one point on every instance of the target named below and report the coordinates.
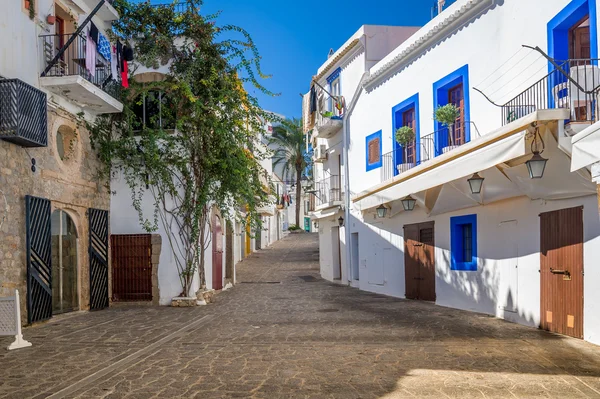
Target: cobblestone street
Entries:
(282, 332)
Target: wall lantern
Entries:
(537, 164)
(341, 221)
(381, 211)
(408, 203)
(475, 182)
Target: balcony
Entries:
(572, 84)
(77, 77)
(426, 148)
(107, 13)
(23, 114)
(327, 127)
(328, 192)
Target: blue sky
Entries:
(294, 36)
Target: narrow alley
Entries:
(282, 331)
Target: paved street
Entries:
(283, 332)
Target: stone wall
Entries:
(70, 183)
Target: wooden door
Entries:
(561, 271)
(217, 258)
(419, 261)
(580, 43)
(408, 150)
(456, 96)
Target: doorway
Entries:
(354, 245)
(217, 258)
(419, 261)
(229, 251)
(65, 295)
(336, 253)
(561, 271)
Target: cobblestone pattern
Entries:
(282, 332)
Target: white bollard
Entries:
(10, 321)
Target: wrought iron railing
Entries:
(328, 190)
(77, 59)
(572, 84)
(404, 158)
(180, 6)
(23, 114)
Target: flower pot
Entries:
(51, 19)
(27, 4)
(403, 167)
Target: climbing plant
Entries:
(202, 152)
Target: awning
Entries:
(325, 213)
(586, 147)
(499, 146)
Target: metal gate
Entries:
(39, 267)
(98, 250)
(131, 265)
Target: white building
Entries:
(340, 75)
(519, 248)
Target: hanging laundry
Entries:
(124, 81)
(104, 47)
(90, 54)
(119, 56)
(94, 32)
(127, 53)
(114, 69)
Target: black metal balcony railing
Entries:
(426, 148)
(178, 6)
(74, 61)
(328, 190)
(572, 84)
(23, 114)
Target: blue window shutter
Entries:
(457, 261)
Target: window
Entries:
(452, 89)
(373, 151)
(154, 110)
(406, 114)
(463, 243)
(335, 90)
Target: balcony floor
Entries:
(83, 93)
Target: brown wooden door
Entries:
(456, 96)
(408, 119)
(580, 43)
(217, 258)
(561, 271)
(419, 261)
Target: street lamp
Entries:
(341, 221)
(381, 211)
(475, 182)
(537, 163)
(408, 203)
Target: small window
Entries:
(373, 151)
(154, 110)
(463, 237)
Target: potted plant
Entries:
(447, 116)
(327, 114)
(404, 136)
(51, 19)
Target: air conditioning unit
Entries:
(321, 153)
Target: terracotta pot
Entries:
(27, 4)
(51, 19)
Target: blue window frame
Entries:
(397, 122)
(373, 154)
(463, 243)
(335, 88)
(558, 37)
(441, 90)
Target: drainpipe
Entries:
(346, 142)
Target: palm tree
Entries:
(291, 155)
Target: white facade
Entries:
(476, 44)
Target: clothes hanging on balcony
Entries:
(94, 32)
(124, 81)
(90, 54)
(128, 53)
(114, 69)
(104, 47)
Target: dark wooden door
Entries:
(561, 271)
(131, 265)
(408, 119)
(580, 43)
(456, 96)
(419, 261)
(217, 259)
